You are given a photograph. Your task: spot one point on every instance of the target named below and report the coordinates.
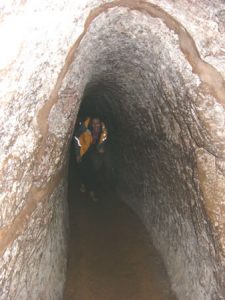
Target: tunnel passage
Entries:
(141, 82)
(166, 106)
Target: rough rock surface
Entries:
(157, 74)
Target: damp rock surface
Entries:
(155, 72)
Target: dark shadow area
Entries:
(98, 101)
(110, 254)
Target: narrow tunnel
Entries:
(138, 68)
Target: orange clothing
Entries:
(84, 140)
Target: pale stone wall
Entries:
(144, 71)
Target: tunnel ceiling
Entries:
(146, 74)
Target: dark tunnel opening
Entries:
(97, 102)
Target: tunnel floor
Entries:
(110, 255)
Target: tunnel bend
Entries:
(170, 154)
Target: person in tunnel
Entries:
(89, 143)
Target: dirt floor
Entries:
(110, 254)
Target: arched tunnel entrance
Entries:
(140, 69)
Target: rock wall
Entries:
(157, 75)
